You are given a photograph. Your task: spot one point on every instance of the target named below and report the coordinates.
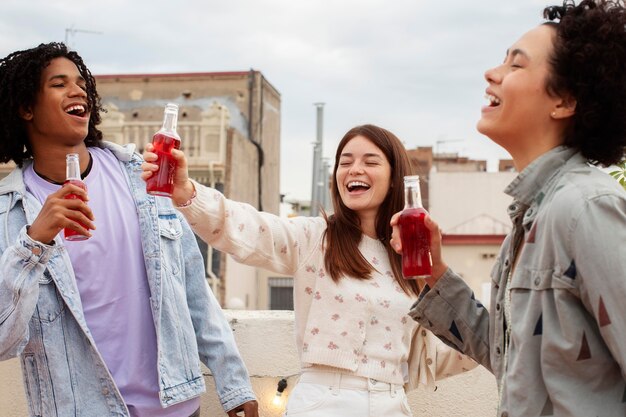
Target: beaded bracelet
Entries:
(188, 202)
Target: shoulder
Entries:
(584, 192)
(585, 186)
(124, 153)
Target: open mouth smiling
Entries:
(493, 100)
(357, 186)
(79, 110)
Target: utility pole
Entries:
(71, 31)
(316, 191)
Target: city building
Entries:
(229, 123)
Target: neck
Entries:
(531, 146)
(368, 225)
(50, 164)
(522, 159)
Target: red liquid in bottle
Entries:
(69, 233)
(162, 182)
(415, 237)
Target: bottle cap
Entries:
(171, 107)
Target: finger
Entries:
(396, 244)
(147, 166)
(78, 228)
(149, 147)
(71, 189)
(145, 175)
(394, 219)
(150, 156)
(180, 158)
(77, 216)
(76, 205)
(431, 224)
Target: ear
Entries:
(26, 114)
(565, 108)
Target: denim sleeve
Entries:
(216, 344)
(598, 249)
(21, 267)
(451, 312)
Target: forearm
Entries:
(251, 237)
(451, 312)
(22, 265)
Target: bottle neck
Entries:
(170, 122)
(412, 196)
(72, 168)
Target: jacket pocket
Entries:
(50, 304)
(528, 279)
(33, 389)
(541, 280)
(169, 226)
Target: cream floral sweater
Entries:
(361, 327)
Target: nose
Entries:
(356, 169)
(77, 91)
(493, 75)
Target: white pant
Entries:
(332, 394)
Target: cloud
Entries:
(412, 66)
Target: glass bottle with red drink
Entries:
(72, 176)
(415, 237)
(162, 181)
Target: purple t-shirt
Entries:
(113, 286)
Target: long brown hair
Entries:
(343, 234)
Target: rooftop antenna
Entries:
(72, 31)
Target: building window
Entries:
(280, 293)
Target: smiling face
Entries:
(363, 177)
(60, 114)
(520, 112)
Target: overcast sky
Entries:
(411, 66)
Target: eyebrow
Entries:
(516, 52)
(65, 77)
(367, 155)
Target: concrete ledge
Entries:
(267, 344)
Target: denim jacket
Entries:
(42, 321)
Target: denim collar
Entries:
(14, 182)
(538, 174)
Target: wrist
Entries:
(438, 272)
(189, 194)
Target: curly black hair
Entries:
(20, 81)
(589, 64)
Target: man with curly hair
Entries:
(115, 325)
(555, 334)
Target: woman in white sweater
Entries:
(358, 348)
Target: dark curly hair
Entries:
(20, 81)
(589, 64)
